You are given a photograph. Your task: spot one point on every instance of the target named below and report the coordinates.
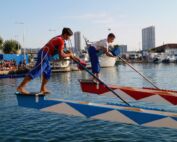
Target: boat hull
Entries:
(114, 113)
(168, 97)
(12, 76)
(105, 62)
(60, 65)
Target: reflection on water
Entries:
(65, 78)
(23, 124)
(164, 76)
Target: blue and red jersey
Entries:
(54, 46)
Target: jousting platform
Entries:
(157, 96)
(106, 112)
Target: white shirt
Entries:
(99, 45)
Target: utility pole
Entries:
(23, 37)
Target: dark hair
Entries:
(67, 31)
(111, 35)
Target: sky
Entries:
(39, 20)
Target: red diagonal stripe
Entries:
(171, 99)
(137, 95)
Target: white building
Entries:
(148, 38)
(77, 41)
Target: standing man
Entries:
(97, 49)
(42, 67)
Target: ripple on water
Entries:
(22, 124)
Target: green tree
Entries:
(11, 46)
(1, 42)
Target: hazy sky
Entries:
(44, 19)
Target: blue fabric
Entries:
(42, 66)
(1, 56)
(115, 51)
(94, 59)
(16, 57)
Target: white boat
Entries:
(106, 61)
(172, 58)
(169, 59)
(60, 65)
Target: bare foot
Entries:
(93, 80)
(22, 90)
(45, 91)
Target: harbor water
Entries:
(24, 124)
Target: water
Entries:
(23, 124)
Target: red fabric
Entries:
(92, 87)
(56, 41)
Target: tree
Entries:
(11, 46)
(1, 42)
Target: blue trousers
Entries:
(42, 66)
(94, 59)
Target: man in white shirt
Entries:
(97, 49)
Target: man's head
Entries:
(67, 33)
(111, 37)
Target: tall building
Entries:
(148, 38)
(77, 41)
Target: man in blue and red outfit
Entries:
(53, 47)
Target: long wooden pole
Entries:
(100, 81)
(98, 78)
(139, 72)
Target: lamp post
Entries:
(23, 37)
(16, 38)
(109, 29)
(52, 30)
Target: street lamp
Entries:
(16, 38)
(109, 29)
(52, 30)
(23, 37)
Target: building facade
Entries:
(170, 49)
(123, 49)
(148, 38)
(77, 41)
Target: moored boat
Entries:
(105, 61)
(60, 65)
(12, 75)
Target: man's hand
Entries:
(71, 55)
(75, 58)
(109, 54)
